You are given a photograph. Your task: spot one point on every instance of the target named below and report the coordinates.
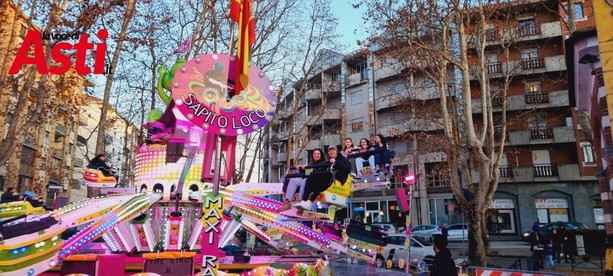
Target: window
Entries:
(527, 27)
(529, 53)
(358, 126)
(282, 147)
(23, 30)
(437, 175)
(530, 59)
(533, 87)
(27, 155)
(578, 11)
(537, 121)
(588, 154)
(493, 66)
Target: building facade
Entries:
(548, 169)
(42, 160)
(120, 143)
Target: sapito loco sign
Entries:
(200, 91)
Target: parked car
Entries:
(455, 232)
(425, 231)
(388, 228)
(421, 250)
(546, 229)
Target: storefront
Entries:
(552, 209)
(500, 216)
(383, 211)
(445, 211)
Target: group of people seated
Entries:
(11, 195)
(378, 155)
(321, 176)
(322, 173)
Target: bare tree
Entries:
(447, 41)
(127, 17)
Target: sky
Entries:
(350, 23)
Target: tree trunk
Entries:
(109, 79)
(477, 251)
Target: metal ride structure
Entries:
(178, 204)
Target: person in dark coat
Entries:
(315, 185)
(556, 242)
(537, 247)
(98, 163)
(443, 264)
(9, 196)
(299, 183)
(567, 245)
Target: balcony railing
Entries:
(545, 170)
(540, 134)
(505, 171)
(529, 30)
(536, 97)
(532, 63)
(491, 35)
(494, 68)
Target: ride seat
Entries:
(337, 193)
(94, 177)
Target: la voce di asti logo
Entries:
(35, 39)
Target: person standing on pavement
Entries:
(443, 264)
(536, 247)
(444, 230)
(556, 242)
(566, 244)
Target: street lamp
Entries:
(405, 207)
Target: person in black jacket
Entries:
(98, 163)
(299, 183)
(443, 264)
(315, 185)
(9, 196)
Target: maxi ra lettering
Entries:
(33, 38)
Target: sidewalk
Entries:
(506, 257)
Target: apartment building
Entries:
(121, 139)
(43, 157)
(548, 169)
(549, 166)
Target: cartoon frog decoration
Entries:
(165, 82)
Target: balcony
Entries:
(545, 170)
(491, 35)
(313, 94)
(564, 134)
(413, 124)
(282, 157)
(58, 154)
(528, 101)
(332, 139)
(540, 134)
(389, 70)
(284, 114)
(331, 114)
(494, 68)
(313, 144)
(531, 30)
(519, 34)
(333, 86)
(283, 135)
(532, 63)
(497, 101)
(536, 97)
(82, 119)
(505, 171)
(355, 79)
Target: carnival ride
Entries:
(176, 206)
